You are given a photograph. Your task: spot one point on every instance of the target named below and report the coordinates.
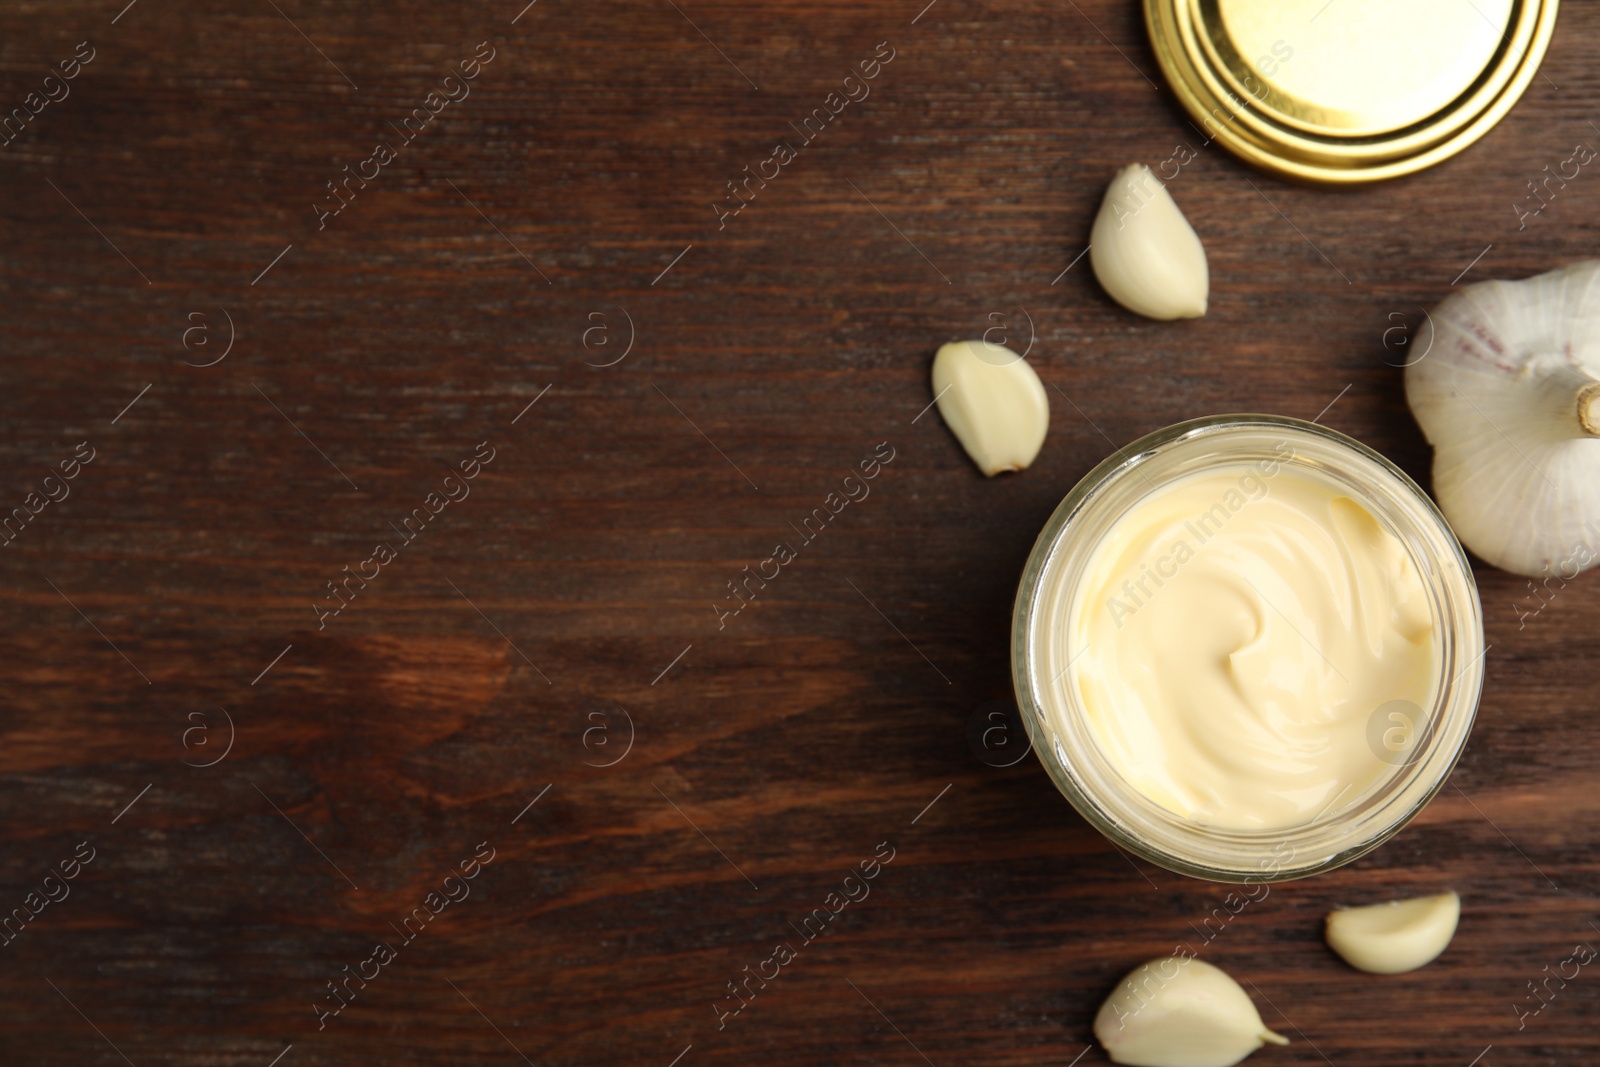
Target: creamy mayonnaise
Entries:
(1235, 636)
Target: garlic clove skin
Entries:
(1395, 937)
(1178, 1012)
(993, 402)
(1507, 389)
(1146, 255)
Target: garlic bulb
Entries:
(1144, 251)
(1507, 390)
(1398, 936)
(1180, 1012)
(993, 402)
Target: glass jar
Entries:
(1416, 756)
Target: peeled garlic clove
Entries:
(1401, 935)
(993, 402)
(1145, 253)
(1177, 1012)
(1504, 379)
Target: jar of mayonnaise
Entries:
(1247, 648)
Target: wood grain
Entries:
(579, 579)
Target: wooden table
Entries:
(539, 675)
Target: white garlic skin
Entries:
(1397, 936)
(993, 402)
(1146, 255)
(1496, 388)
(1177, 1012)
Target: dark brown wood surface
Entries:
(522, 240)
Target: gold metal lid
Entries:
(1348, 90)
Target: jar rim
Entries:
(1128, 817)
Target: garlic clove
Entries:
(1588, 401)
(1398, 936)
(1504, 381)
(993, 402)
(1179, 1012)
(1145, 253)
